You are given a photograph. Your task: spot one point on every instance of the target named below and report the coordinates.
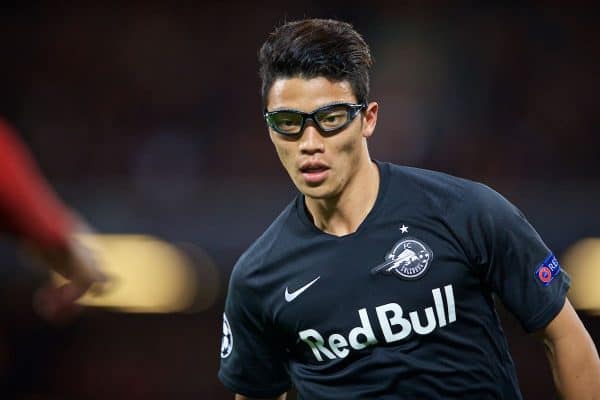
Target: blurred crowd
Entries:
(146, 116)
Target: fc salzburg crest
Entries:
(408, 259)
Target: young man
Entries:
(376, 282)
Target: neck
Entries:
(343, 214)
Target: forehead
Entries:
(308, 94)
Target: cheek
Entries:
(348, 152)
(284, 154)
(350, 147)
(347, 147)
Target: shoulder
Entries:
(428, 179)
(437, 188)
(444, 192)
(250, 264)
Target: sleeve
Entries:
(28, 206)
(252, 363)
(513, 260)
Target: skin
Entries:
(73, 261)
(572, 356)
(339, 203)
(342, 201)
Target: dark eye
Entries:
(287, 122)
(332, 119)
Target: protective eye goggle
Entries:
(328, 119)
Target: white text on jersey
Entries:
(394, 326)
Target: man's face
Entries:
(320, 164)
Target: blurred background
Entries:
(146, 118)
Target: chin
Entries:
(323, 190)
(317, 192)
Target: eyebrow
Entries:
(334, 103)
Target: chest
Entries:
(398, 278)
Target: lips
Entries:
(314, 172)
(309, 166)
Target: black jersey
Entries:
(400, 309)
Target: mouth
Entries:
(314, 172)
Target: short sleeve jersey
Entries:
(400, 309)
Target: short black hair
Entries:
(312, 48)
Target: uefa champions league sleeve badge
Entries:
(408, 259)
(227, 340)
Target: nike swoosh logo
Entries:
(291, 296)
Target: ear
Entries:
(370, 119)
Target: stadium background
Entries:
(146, 118)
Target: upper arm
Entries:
(573, 356)
(253, 356)
(567, 341)
(511, 258)
(566, 325)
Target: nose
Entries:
(311, 141)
